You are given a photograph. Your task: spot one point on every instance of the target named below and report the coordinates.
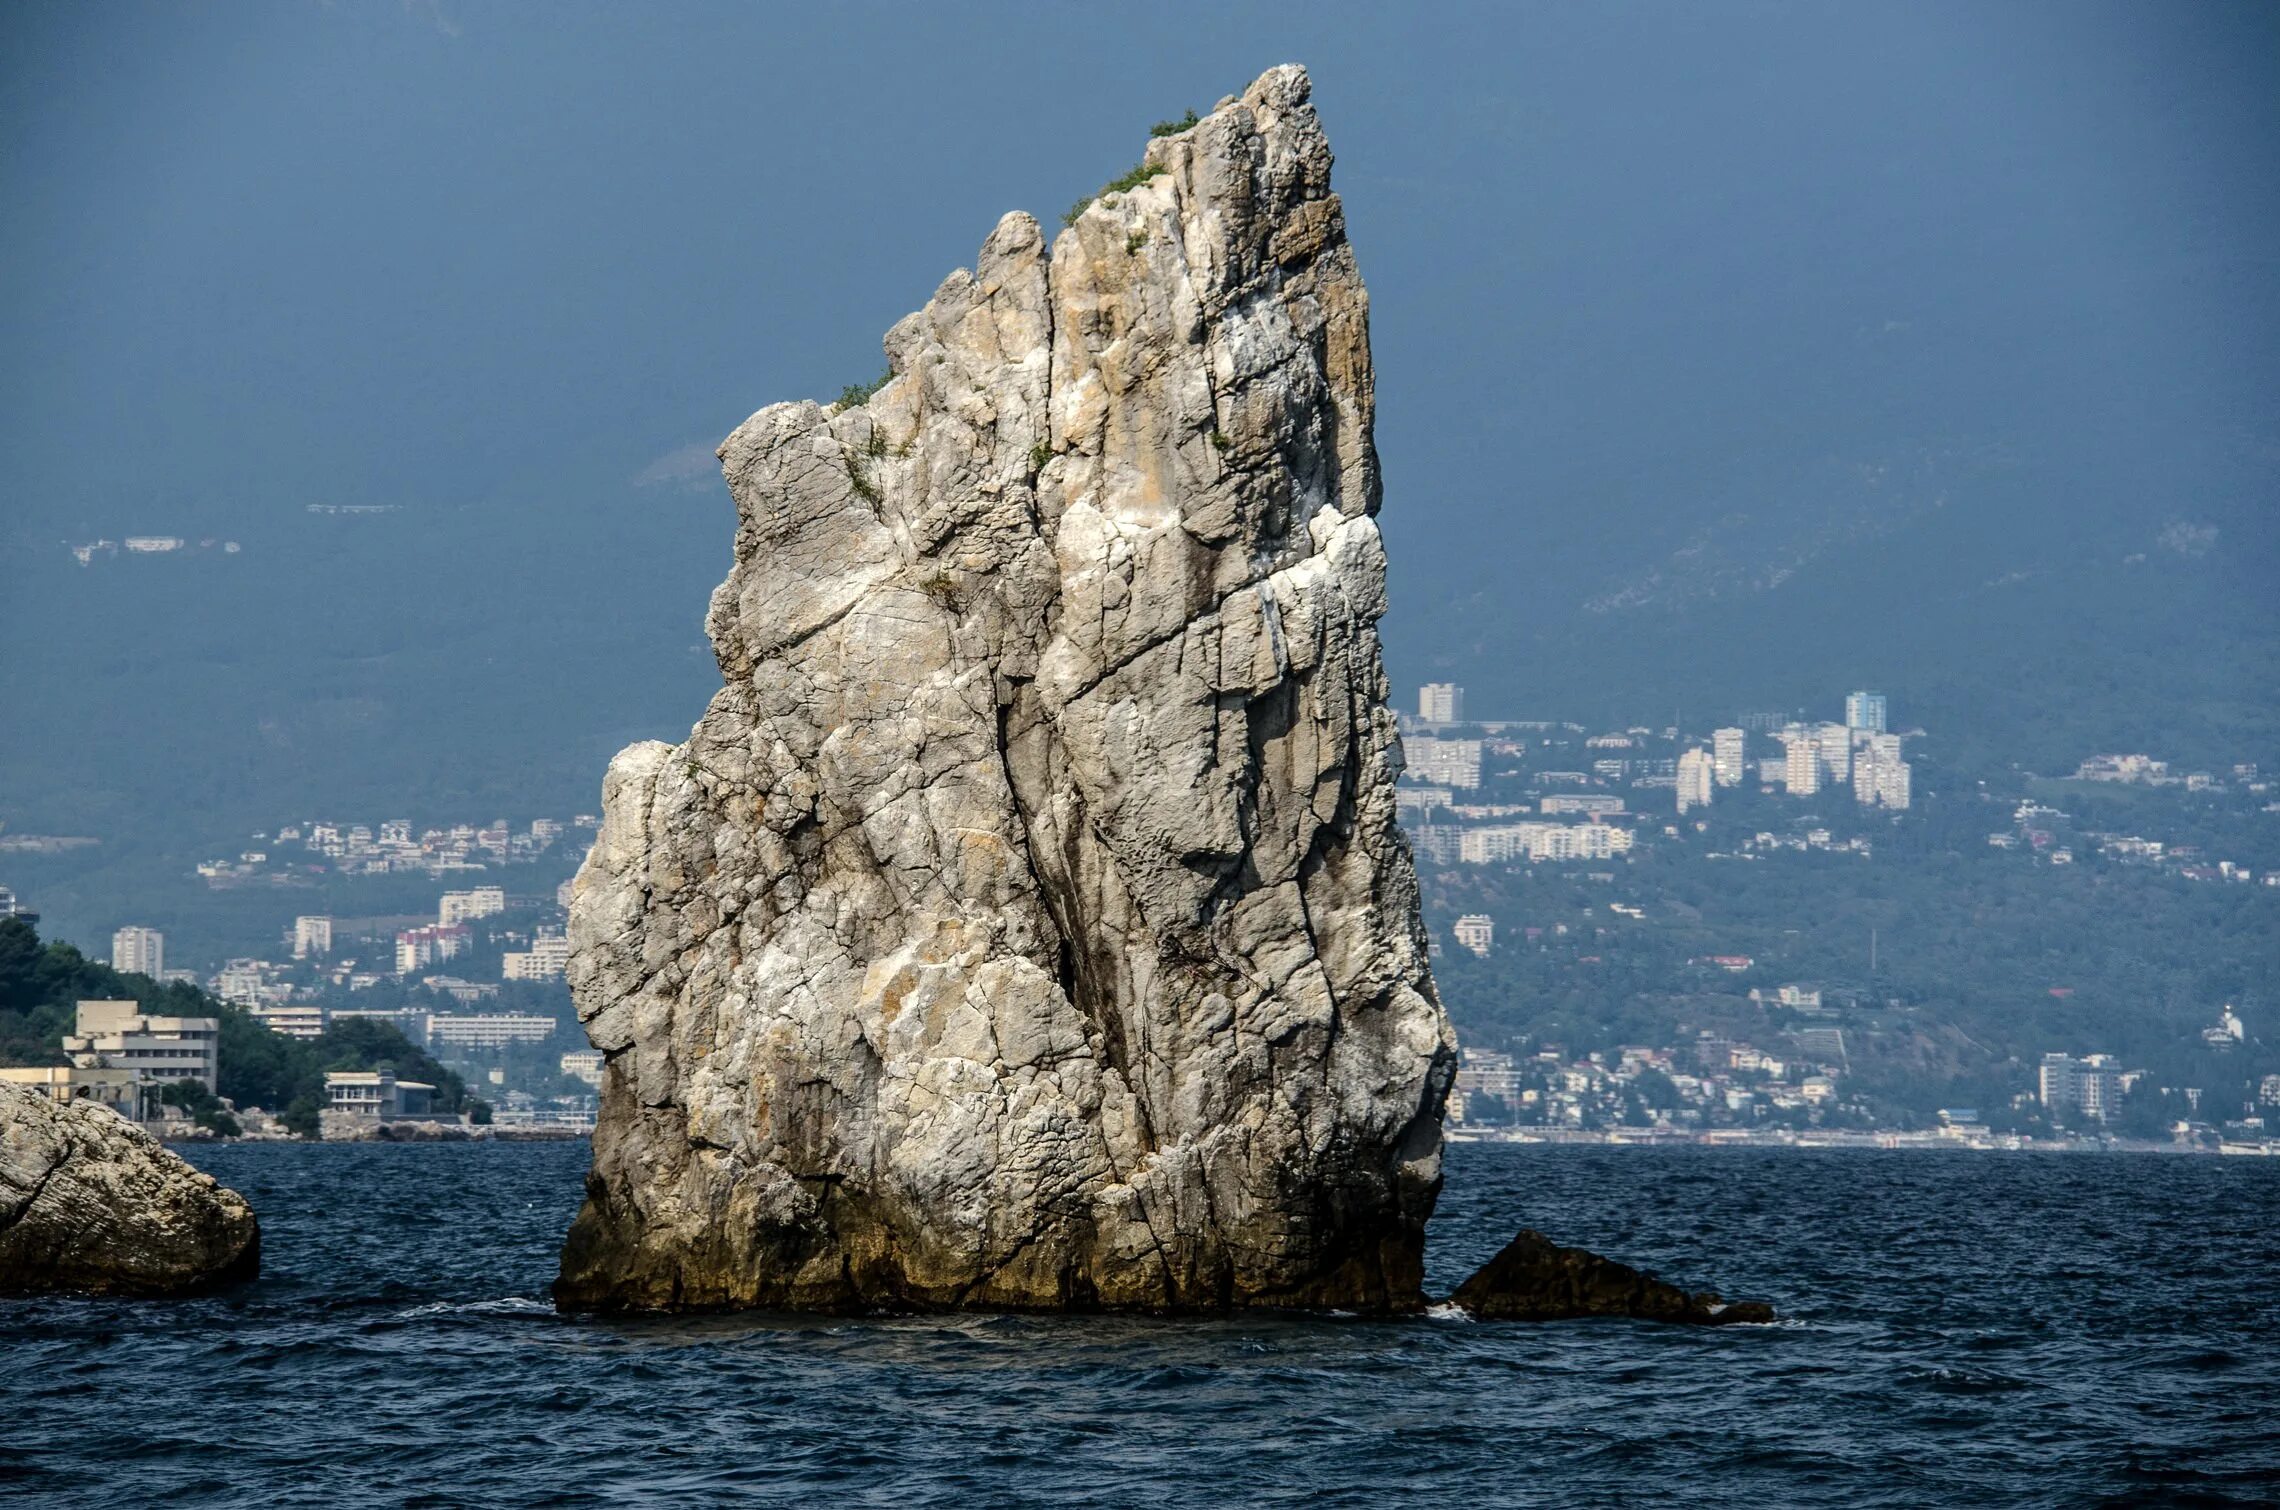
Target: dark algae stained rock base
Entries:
(1535, 1279)
(90, 1203)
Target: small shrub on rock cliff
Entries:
(1173, 128)
(860, 393)
(1132, 180)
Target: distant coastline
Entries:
(1941, 1142)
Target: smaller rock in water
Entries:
(90, 1202)
(1535, 1279)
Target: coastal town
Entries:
(476, 979)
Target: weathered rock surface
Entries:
(1535, 1279)
(90, 1202)
(1025, 924)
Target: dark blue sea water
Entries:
(1965, 1329)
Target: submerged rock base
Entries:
(1535, 1279)
(89, 1202)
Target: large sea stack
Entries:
(1025, 924)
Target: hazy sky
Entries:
(370, 251)
(1668, 299)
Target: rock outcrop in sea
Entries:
(1025, 924)
(1533, 1278)
(90, 1202)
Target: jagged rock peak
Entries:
(1025, 924)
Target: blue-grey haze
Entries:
(1729, 355)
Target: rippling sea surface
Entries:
(1991, 1329)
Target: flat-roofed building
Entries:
(68, 1082)
(487, 1030)
(139, 951)
(293, 1019)
(1441, 703)
(119, 1035)
(311, 936)
(376, 1093)
(1697, 771)
(546, 959)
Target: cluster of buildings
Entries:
(2046, 833)
(2091, 1087)
(392, 846)
(1718, 1083)
(2144, 770)
(1439, 794)
(1860, 752)
(145, 545)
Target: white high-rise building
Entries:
(1441, 703)
(1476, 931)
(2091, 1085)
(1696, 774)
(1865, 711)
(1801, 768)
(311, 936)
(139, 951)
(1880, 778)
(1834, 742)
(1729, 753)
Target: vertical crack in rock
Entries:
(1025, 924)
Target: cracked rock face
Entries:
(90, 1202)
(1025, 924)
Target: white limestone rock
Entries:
(91, 1203)
(1025, 924)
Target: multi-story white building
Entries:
(1833, 744)
(1587, 805)
(1697, 773)
(585, 1064)
(546, 959)
(417, 948)
(312, 936)
(1476, 931)
(461, 906)
(488, 1030)
(1865, 711)
(292, 1019)
(139, 951)
(1729, 756)
(1880, 778)
(1801, 766)
(1443, 762)
(2091, 1085)
(1441, 703)
(1493, 844)
(119, 1035)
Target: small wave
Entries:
(509, 1305)
(1447, 1310)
